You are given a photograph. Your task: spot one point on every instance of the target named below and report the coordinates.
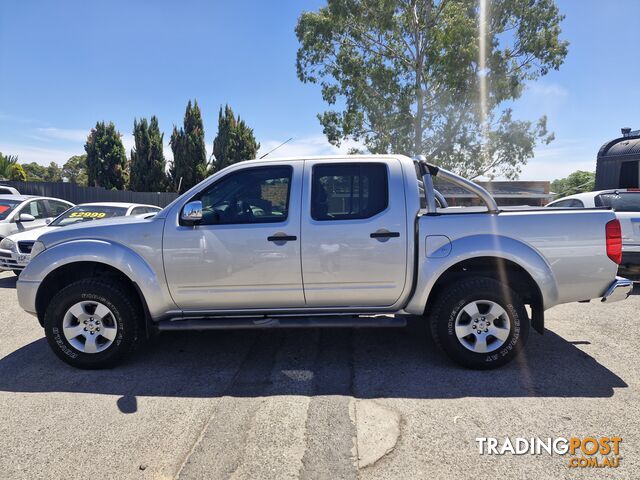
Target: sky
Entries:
(65, 64)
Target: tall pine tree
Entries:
(106, 157)
(234, 142)
(147, 169)
(189, 164)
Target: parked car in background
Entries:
(24, 212)
(320, 242)
(7, 190)
(15, 250)
(626, 204)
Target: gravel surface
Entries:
(316, 403)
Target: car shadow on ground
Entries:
(8, 282)
(364, 363)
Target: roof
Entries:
(629, 145)
(116, 204)
(20, 198)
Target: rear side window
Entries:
(349, 191)
(620, 201)
(58, 208)
(569, 203)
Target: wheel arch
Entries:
(492, 256)
(68, 273)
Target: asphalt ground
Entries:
(317, 403)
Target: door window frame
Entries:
(198, 196)
(349, 164)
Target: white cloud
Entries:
(43, 156)
(547, 90)
(304, 147)
(71, 135)
(559, 159)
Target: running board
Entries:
(227, 323)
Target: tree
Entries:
(189, 164)
(10, 169)
(106, 157)
(408, 76)
(577, 182)
(35, 172)
(75, 170)
(54, 173)
(147, 168)
(234, 141)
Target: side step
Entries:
(230, 323)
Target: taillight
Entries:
(614, 241)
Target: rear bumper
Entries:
(630, 265)
(620, 289)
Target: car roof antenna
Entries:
(274, 149)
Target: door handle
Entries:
(282, 238)
(385, 234)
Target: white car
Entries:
(7, 190)
(15, 250)
(19, 213)
(626, 204)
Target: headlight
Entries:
(37, 248)
(7, 244)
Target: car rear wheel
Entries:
(480, 323)
(92, 323)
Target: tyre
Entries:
(479, 323)
(92, 323)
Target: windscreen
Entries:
(620, 201)
(86, 213)
(6, 206)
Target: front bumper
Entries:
(27, 295)
(10, 260)
(620, 289)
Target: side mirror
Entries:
(25, 217)
(48, 221)
(191, 213)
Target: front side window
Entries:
(36, 209)
(348, 191)
(255, 195)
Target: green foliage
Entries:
(404, 77)
(39, 173)
(189, 164)
(106, 157)
(234, 141)
(35, 172)
(75, 170)
(147, 168)
(10, 169)
(577, 182)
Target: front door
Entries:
(354, 233)
(245, 254)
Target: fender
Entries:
(474, 246)
(114, 254)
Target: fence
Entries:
(76, 194)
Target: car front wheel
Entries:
(92, 323)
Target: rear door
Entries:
(354, 233)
